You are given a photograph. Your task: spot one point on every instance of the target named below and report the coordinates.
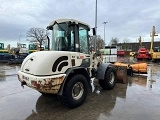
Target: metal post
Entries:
(95, 49)
(104, 30)
(19, 38)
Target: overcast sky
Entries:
(126, 18)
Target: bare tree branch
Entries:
(37, 35)
(114, 41)
(99, 43)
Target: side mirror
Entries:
(94, 31)
(48, 43)
(49, 27)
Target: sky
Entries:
(126, 18)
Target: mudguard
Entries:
(102, 70)
(81, 70)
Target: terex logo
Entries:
(60, 63)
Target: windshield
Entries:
(62, 37)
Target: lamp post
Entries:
(95, 28)
(19, 38)
(104, 29)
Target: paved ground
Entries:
(139, 99)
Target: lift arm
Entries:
(152, 39)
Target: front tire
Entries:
(109, 79)
(75, 91)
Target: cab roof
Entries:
(68, 20)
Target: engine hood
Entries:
(46, 62)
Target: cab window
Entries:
(83, 40)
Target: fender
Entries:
(102, 70)
(81, 70)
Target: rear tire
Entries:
(109, 79)
(75, 91)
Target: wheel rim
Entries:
(77, 91)
(112, 77)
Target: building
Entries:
(133, 47)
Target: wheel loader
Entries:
(69, 68)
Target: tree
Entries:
(114, 41)
(126, 40)
(126, 44)
(99, 43)
(37, 35)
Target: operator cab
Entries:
(20, 45)
(69, 35)
(1, 46)
(156, 49)
(32, 47)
